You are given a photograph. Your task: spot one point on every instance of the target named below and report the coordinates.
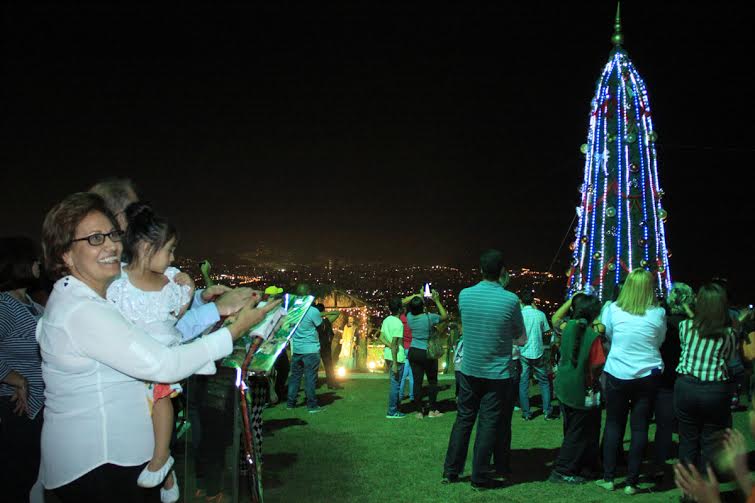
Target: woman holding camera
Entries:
(421, 325)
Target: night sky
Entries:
(405, 133)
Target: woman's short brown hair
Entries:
(59, 228)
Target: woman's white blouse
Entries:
(635, 342)
(94, 363)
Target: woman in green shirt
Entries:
(582, 357)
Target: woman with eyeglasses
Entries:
(97, 435)
(21, 386)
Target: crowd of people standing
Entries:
(121, 323)
(638, 358)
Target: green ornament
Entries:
(653, 136)
(611, 212)
(583, 148)
(631, 138)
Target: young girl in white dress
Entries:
(154, 296)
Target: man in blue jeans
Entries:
(531, 356)
(305, 354)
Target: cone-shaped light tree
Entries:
(620, 220)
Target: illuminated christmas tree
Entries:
(620, 221)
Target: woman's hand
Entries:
(21, 397)
(211, 293)
(231, 302)
(689, 481)
(250, 316)
(733, 458)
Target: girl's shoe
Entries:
(153, 479)
(170, 495)
(630, 490)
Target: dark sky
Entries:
(373, 130)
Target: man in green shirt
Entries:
(392, 333)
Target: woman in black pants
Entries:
(678, 309)
(422, 324)
(636, 327)
(702, 390)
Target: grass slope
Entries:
(351, 453)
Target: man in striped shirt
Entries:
(492, 321)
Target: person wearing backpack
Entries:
(421, 324)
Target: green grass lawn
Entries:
(350, 452)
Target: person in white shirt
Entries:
(636, 327)
(531, 356)
(97, 434)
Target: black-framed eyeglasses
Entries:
(98, 238)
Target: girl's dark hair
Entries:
(585, 309)
(416, 306)
(145, 226)
(711, 311)
(17, 257)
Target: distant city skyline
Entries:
(411, 135)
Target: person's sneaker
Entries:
(567, 479)
(419, 415)
(605, 484)
(550, 417)
(630, 490)
(517, 408)
(395, 415)
(527, 417)
(449, 478)
(434, 413)
(316, 410)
